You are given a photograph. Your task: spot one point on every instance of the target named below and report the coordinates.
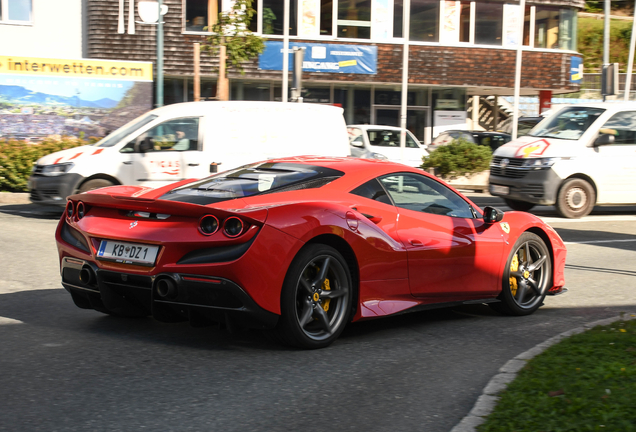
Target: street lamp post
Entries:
(151, 12)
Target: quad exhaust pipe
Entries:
(87, 276)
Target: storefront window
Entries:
(274, 16)
(200, 15)
(464, 22)
(361, 106)
(567, 29)
(424, 20)
(488, 23)
(15, 10)
(546, 27)
(354, 19)
(326, 18)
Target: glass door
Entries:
(416, 119)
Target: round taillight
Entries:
(208, 224)
(69, 209)
(233, 226)
(81, 210)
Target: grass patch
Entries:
(584, 383)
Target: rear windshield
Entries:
(569, 124)
(251, 180)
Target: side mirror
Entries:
(357, 144)
(492, 215)
(604, 139)
(146, 145)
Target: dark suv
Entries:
(485, 138)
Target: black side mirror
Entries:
(146, 145)
(492, 215)
(604, 139)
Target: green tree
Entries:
(232, 40)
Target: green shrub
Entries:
(18, 157)
(458, 158)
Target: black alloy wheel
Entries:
(527, 277)
(576, 199)
(518, 205)
(316, 298)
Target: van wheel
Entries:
(95, 184)
(576, 199)
(518, 205)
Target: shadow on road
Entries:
(34, 211)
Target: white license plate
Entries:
(499, 190)
(127, 253)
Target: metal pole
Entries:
(197, 69)
(630, 62)
(159, 56)
(285, 52)
(606, 37)
(405, 76)
(515, 114)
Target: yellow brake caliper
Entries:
(514, 266)
(326, 287)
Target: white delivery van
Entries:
(189, 140)
(578, 157)
(383, 143)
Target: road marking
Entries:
(600, 241)
(597, 218)
(4, 320)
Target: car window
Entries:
(389, 138)
(423, 194)
(124, 131)
(180, 134)
(372, 190)
(623, 126)
(569, 124)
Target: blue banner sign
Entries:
(576, 69)
(332, 58)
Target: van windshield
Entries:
(389, 138)
(125, 130)
(569, 124)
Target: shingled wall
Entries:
(428, 65)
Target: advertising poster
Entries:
(446, 120)
(333, 58)
(511, 22)
(309, 18)
(381, 19)
(450, 24)
(576, 69)
(90, 98)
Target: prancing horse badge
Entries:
(505, 227)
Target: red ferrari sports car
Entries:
(300, 247)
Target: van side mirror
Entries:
(146, 145)
(357, 144)
(604, 139)
(492, 215)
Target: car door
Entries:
(451, 252)
(167, 152)
(617, 162)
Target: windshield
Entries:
(569, 124)
(252, 180)
(125, 130)
(389, 138)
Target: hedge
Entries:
(458, 158)
(17, 159)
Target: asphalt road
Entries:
(67, 369)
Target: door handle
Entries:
(415, 242)
(193, 164)
(127, 162)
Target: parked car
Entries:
(578, 157)
(383, 142)
(181, 141)
(302, 246)
(524, 125)
(486, 138)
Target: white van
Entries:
(189, 140)
(383, 142)
(578, 157)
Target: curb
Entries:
(507, 373)
(14, 198)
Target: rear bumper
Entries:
(199, 299)
(53, 190)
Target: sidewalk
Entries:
(14, 198)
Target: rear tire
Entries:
(526, 278)
(315, 299)
(95, 184)
(518, 205)
(576, 199)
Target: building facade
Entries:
(458, 49)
